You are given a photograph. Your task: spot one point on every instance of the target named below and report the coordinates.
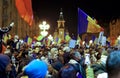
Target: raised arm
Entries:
(7, 29)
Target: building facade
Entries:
(8, 12)
(60, 30)
(115, 28)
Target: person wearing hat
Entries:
(5, 66)
(36, 69)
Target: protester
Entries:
(75, 61)
(113, 64)
(36, 69)
(39, 61)
(5, 66)
(4, 30)
(68, 71)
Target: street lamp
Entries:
(44, 26)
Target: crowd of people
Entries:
(20, 60)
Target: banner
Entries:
(24, 8)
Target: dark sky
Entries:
(48, 10)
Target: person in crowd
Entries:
(68, 71)
(36, 69)
(98, 66)
(5, 66)
(52, 73)
(66, 54)
(113, 64)
(75, 61)
(2, 31)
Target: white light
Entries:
(44, 22)
(44, 33)
(53, 42)
(83, 42)
(50, 37)
(44, 26)
(90, 41)
(61, 32)
(118, 38)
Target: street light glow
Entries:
(44, 33)
(50, 37)
(44, 26)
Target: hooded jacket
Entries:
(4, 61)
(36, 69)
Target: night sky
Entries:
(48, 10)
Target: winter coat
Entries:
(36, 69)
(4, 61)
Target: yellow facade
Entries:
(60, 30)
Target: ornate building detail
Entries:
(8, 12)
(114, 27)
(60, 30)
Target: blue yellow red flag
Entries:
(86, 24)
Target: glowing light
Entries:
(44, 26)
(44, 33)
(83, 42)
(90, 41)
(50, 37)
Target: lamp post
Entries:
(44, 26)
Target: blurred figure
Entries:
(36, 69)
(68, 71)
(113, 64)
(5, 66)
(4, 30)
(52, 73)
(76, 62)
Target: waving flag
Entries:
(67, 38)
(87, 24)
(28, 40)
(40, 38)
(24, 8)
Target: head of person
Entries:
(76, 56)
(5, 64)
(67, 71)
(113, 64)
(36, 69)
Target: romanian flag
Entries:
(49, 42)
(24, 8)
(87, 24)
(28, 40)
(58, 40)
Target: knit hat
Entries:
(66, 49)
(4, 61)
(36, 69)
